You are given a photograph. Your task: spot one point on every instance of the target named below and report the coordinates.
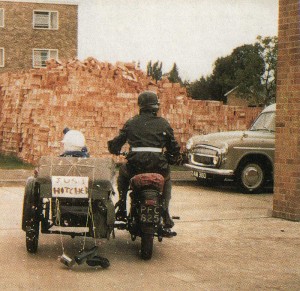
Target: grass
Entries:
(12, 162)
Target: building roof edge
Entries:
(62, 2)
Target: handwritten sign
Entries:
(70, 186)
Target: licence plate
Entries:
(150, 214)
(200, 175)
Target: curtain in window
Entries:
(41, 56)
(41, 19)
(54, 20)
(1, 17)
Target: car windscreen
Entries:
(264, 122)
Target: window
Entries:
(45, 19)
(40, 56)
(1, 57)
(1, 17)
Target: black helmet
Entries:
(148, 101)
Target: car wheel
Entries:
(251, 177)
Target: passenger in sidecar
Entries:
(74, 144)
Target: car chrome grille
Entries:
(204, 156)
(205, 151)
(202, 159)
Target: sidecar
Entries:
(69, 196)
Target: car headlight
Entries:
(189, 144)
(216, 160)
(224, 149)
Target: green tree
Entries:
(269, 53)
(251, 68)
(242, 69)
(155, 70)
(149, 69)
(205, 88)
(174, 75)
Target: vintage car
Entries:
(247, 157)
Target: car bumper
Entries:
(213, 171)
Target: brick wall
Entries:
(97, 98)
(287, 154)
(18, 37)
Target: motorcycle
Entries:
(145, 217)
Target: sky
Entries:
(190, 33)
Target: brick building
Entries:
(32, 32)
(287, 148)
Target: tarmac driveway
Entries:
(225, 241)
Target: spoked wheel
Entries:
(32, 236)
(146, 246)
(31, 215)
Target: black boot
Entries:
(98, 261)
(168, 221)
(121, 214)
(123, 185)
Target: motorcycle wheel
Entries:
(146, 246)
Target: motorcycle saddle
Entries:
(147, 180)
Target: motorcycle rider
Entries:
(152, 148)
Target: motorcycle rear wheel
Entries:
(146, 246)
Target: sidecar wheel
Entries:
(31, 215)
(146, 246)
(28, 201)
(32, 237)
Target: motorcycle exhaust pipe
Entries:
(85, 255)
(67, 261)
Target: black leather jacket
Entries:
(147, 130)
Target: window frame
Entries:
(2, 23)
(2, 53)
(49, 19)
(48, 53)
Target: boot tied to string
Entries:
(121, 214)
